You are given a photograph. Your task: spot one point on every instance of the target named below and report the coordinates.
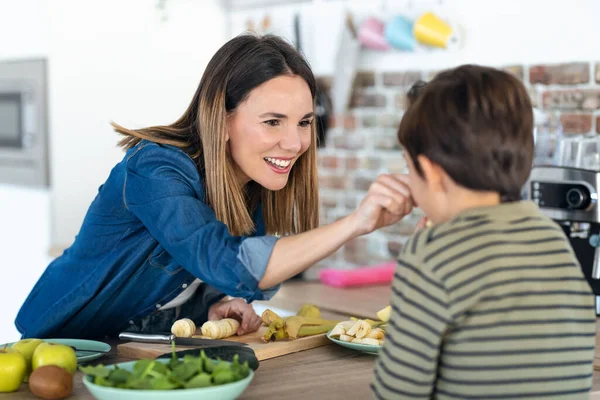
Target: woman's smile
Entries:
(279, 165)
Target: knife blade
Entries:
(168, 338)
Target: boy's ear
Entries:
(433, 173)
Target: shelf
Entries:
(236, 5)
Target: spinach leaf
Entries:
(98, 370)
(163, 383)
(184, 372)
(119, 376)
(200, 380)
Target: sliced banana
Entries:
(346, 338)
(352, 331)
(338, 330)
(363, 329)
(184, 328)
(373, 342)
(346, 324)
(376, 333)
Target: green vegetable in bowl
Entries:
(190, 372)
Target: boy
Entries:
(490, 303)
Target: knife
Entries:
(168, 338)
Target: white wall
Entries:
(23, 29)
(24, 212)
(115, 60)
(24, 240)
(108, 60)
(498, 32)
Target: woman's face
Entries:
(270, 130)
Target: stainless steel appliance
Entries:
(570, 197)
(23, 123)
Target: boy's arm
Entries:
(408, 362)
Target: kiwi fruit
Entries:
(51, 382)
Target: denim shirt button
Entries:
(158, 306)
(184, 285)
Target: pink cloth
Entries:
(374, 275)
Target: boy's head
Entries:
(467, 132)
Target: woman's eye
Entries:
(305, 123)
(272, 122)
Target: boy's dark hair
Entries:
(477, 124)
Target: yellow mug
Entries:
(432, 31)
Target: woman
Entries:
(222, 202)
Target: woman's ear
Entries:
(228, 122)
(433, 173)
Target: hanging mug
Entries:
(399, 33)
(371, 34)
(430, 30)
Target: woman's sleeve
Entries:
(162, 189)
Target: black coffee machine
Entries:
(570, 197)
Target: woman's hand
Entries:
(237, 309)
(387, 202)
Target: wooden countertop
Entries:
(329, 372)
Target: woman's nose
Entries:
(291, 140)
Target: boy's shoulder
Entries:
(426, 241)
(478, 233)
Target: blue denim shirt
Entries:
(146, 236)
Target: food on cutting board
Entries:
(51, 382)
(184, 328)
(360, 331)
(309, 310)
(221, 329)
(307, 322)
(190, 372)
(224, 328)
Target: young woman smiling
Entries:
(224, 201)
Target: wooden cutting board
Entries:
(262, 350)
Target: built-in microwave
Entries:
(24, 123)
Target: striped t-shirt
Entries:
(491, 305)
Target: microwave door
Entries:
(11, 120)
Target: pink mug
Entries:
(371, 34)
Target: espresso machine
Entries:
(570, 197)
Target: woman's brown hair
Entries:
(242, 64)
(477, 124)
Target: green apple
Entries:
(54, 354)
(27, 347)
(13, 368)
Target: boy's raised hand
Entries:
(387, 202)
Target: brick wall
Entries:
(362, 143)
